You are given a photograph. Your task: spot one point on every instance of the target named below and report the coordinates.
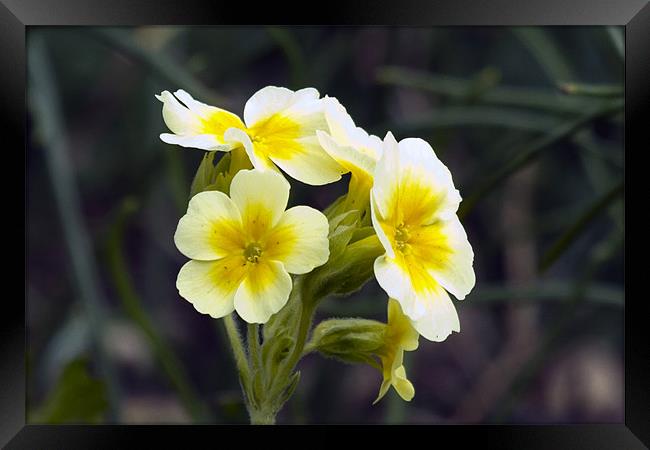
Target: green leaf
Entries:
(76, 398)
(570, 235)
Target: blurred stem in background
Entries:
(172, 366)
(291, 49)
(535, 149)
(618, 40)
(574, 230)
(159, 64)
(545, 50)
(474, 91)
(592, 90)
(48, 115)
(598, 257)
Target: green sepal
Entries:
(349, 340)
(211, 176)
(342, 228)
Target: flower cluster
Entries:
(397, 221)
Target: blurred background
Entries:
(528, 120)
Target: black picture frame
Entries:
(17, 15)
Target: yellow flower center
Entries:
(252, 252)
(402, 237)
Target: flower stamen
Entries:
(402, 237)
(252, 252)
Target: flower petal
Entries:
(272, 99)
(211, 285)
(348, 157)
(395, 280)
(299, 240)
(400, 325)
(200, 141)
(261, 197)
(440, 317)
(402, 385)
(178, 118)
(443, 247)
(309, 163)
(282, 125)
(381, 227)
(235, 136)
(349, 145)
(196, 124)
(412, 185)
(211, 229)
(263, 292)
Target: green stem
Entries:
(253, 338)
(262, 417)
(132, 304)
(237, 347)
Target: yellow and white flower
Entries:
(279, 129)
(244, 247)
(352, 147)
(414, 206)
(400, 336)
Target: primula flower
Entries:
(244, 247)
(414, 206)
(279, 128)
(400, 336)
(352, 147)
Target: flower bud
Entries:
(350, 340)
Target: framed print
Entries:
(404, 213)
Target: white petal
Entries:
(344, 132)
(263, 292)
(178, 118)
(350, 158)
(200, 141)
(311, 165)
(410, 175)
(235, 136)
(440, 317)
(378, 225)
(395, 281)
(272, 99)
(197, 107)
(195, 124)
(211, 285)
(299, 240)
(455, 272)
(260, 193)
(211, 229)
(338, 120)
